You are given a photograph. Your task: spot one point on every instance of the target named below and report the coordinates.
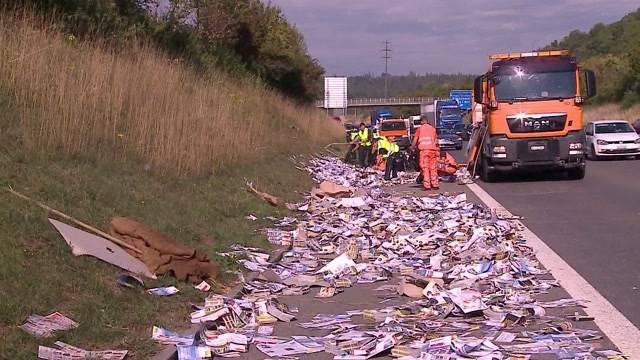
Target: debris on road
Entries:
(167, 337)
(203, 286)
(467, 280)
(163, 291)
(45, 326)
(161, 254)
(147, 252)
(129, 281)
(68, 352)
(84, 243)
(272, 200)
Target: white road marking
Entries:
(613, 323)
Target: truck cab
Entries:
(448, 113)
(396, 130)
(532, 113)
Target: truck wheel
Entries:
(577, 173)
(485, 173)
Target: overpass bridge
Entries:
(395, 101)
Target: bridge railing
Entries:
(383, 101)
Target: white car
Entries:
(611, 138)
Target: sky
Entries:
(347, 36)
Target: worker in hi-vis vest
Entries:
(353, 145)
(425, 141)
(389, 151)
(364, 145)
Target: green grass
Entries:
(38, 273)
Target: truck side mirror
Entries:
(478, 90)
(590, 80)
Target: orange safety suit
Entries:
(426, 140)
(381, 163)
(447, 165)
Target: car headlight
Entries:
(637, 141)
(575, 146)
(602, 142)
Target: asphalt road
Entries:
(593, 224)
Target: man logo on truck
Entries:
(537, 124)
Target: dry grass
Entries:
(611, 112)
(83, 99)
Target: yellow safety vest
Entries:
(391, 147)
(364, 137)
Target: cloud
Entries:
(436, 35)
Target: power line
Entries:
(386, 57)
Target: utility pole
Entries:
(386, 57)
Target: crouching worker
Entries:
(447, 167)
(389, 152)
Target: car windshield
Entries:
(460, 126)
(443, 131)
(613, 128)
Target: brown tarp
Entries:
(162, 254)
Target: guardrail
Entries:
(395, 101)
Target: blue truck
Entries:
(448, 113)
(378, 114)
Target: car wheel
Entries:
(459, 147)
(577, 173)
(592, 154)
(486, 174)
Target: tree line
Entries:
(412, 84)
(242, 37)
(613, 52)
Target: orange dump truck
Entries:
(531, 114)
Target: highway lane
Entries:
(593, 224)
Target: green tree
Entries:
(613, 52)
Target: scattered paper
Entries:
(166, 337)
(68, 352)
(45, 326)
(163, 291)
(203, 286)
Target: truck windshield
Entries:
(535, 86)
(449, 112)
(392, 125)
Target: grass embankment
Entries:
(98, 134)
(611, 112)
